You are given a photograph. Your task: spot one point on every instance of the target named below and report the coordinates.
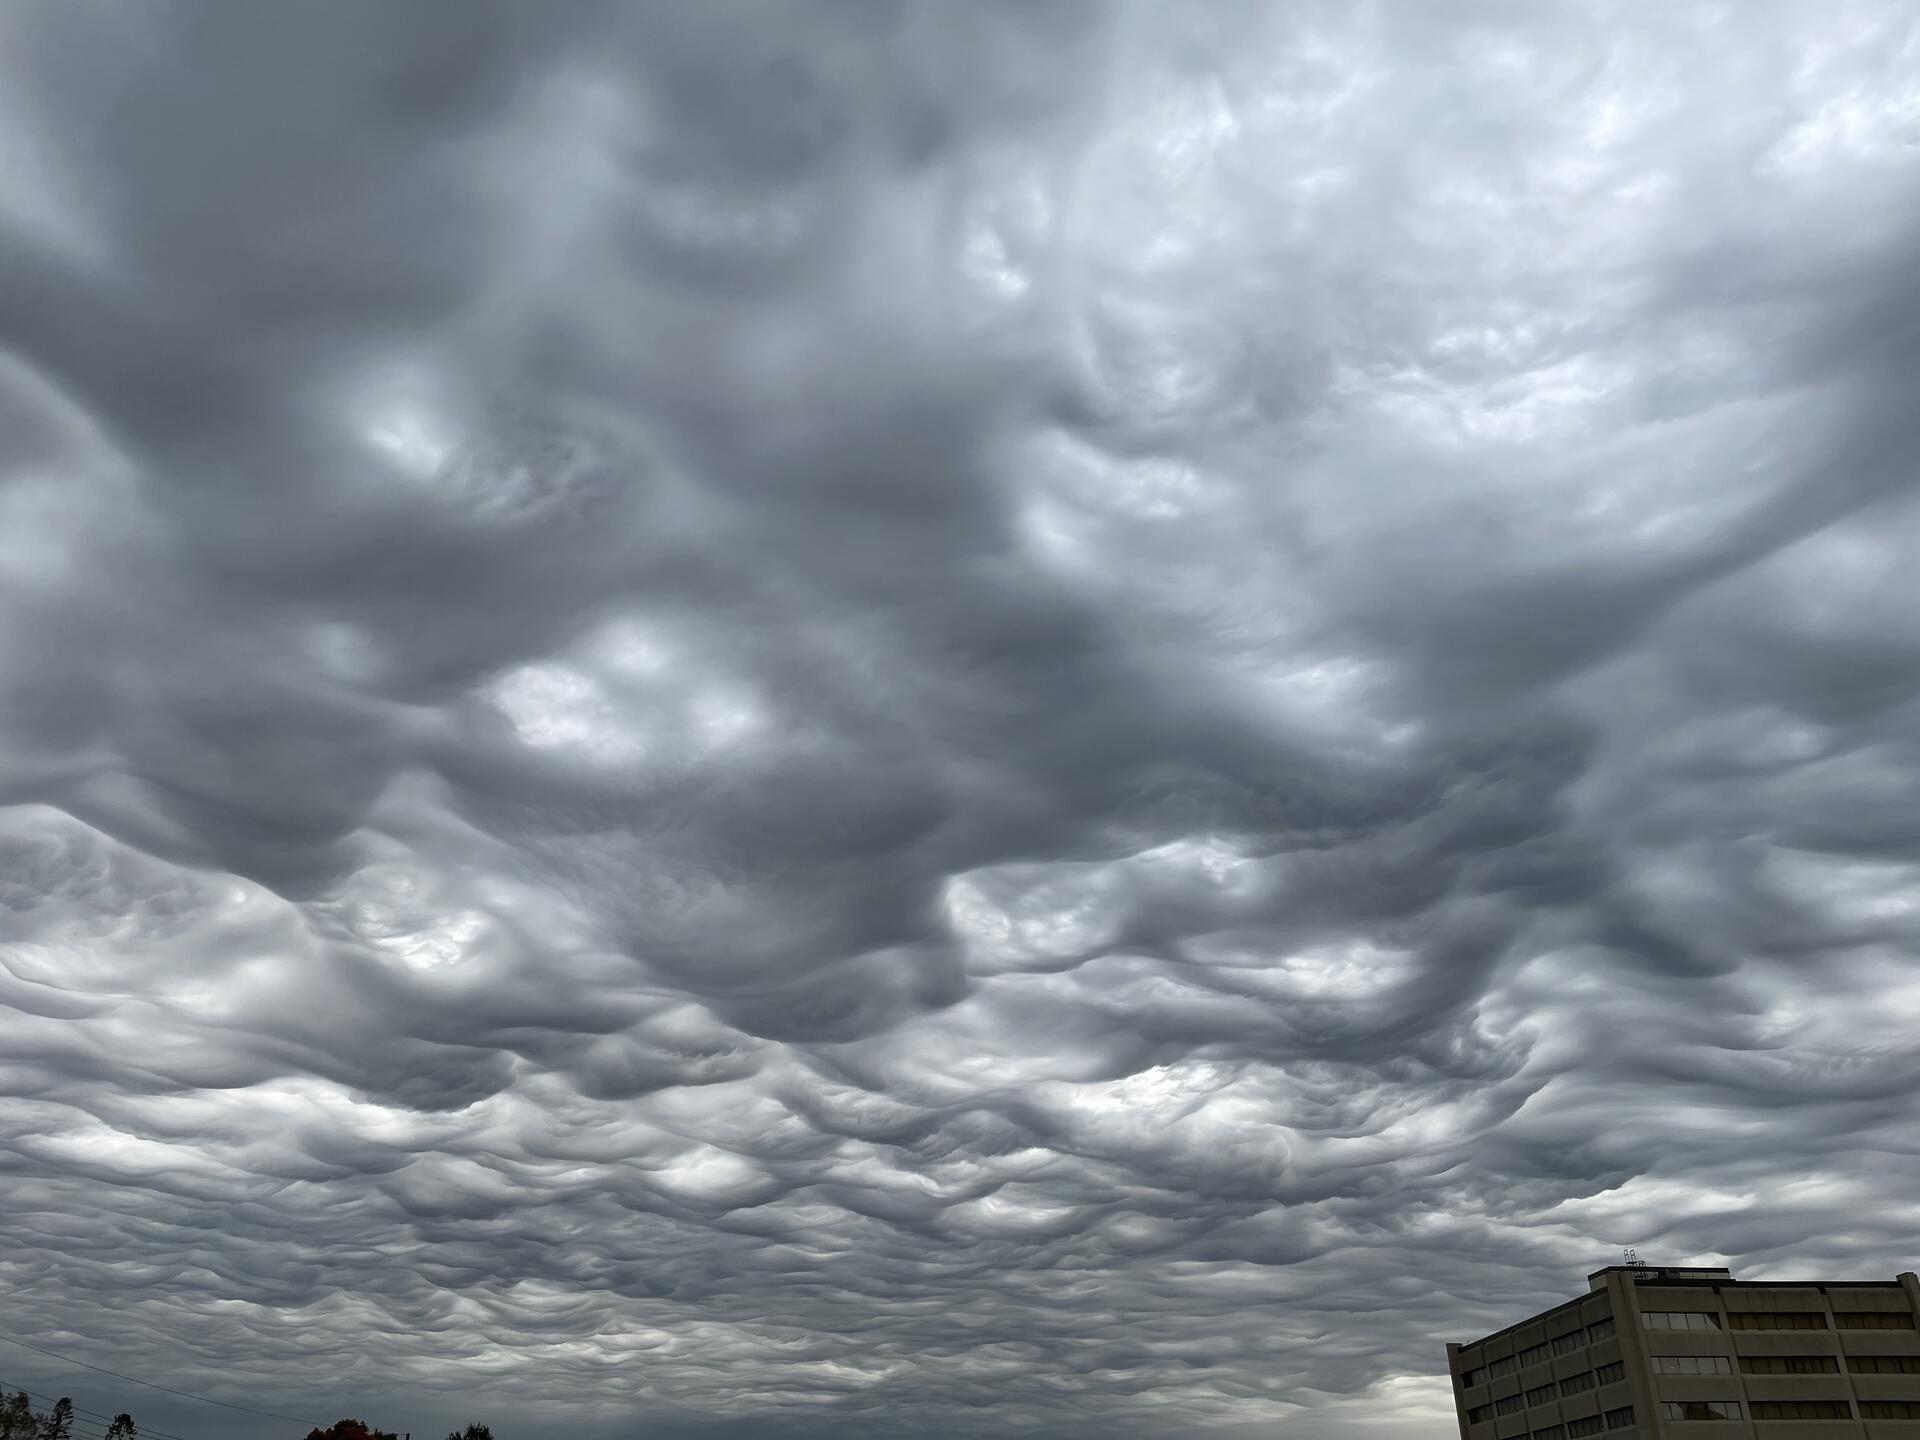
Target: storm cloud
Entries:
(1048, 718)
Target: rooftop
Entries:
(1647, 1274)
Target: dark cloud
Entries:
(1068, 718)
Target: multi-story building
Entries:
(1694, 1354)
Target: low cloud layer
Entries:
(1012, 718)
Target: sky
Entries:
(834, 718)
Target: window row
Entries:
(1788, 1410)
(1601, 1329)
(1679, 1320)
(1802, 1410)
(1783, 1365)
(1560, 1345)
(1575, 1384)
(1720, 1409)
(1884, 1364)
(1587, 1425)
(1692, 1365)
(1788, 1365)
(1873, 1319)
(1547, 1394)
(1777, 1320)
(1700, 1410)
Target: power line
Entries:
(81, 1416)
(80, 1410)
(85, 1419)
(132, 1380)
(88, 1429)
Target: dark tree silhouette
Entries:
(351, 1430)
(472, 1432)
(17, 1420)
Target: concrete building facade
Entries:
(1690, 1353)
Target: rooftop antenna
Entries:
(1633, 1259)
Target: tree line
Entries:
(360, 1430)
(20, 1421)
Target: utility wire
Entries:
(131, 1380)
(81, 1416)
(7, 1386)
(85, 1425)
(89, 1429)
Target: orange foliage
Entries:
(350, 1430)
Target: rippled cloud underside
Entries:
(1035, 718)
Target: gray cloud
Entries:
(1068, 718)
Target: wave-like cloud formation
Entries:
(1015, 717)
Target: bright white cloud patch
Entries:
(1064, 720)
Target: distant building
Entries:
(1685, 1353)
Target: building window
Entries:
(1692, 1365)
(1574, 1384)
(1801, 1410)
(1533, 1355)
(1884, 1364)
(1777, 1320)
(1479, 1413)
(1551, 1432)
(1568, 1343)
(1600, 1330)
(1504, 1366)
(1789, 1365)
(1873, 1319)
(1512, 1405)
(1473, 1378)
(1890, 1409)
(1700, 1410)
(1540, 1395)
(1607, 1374)
(1586, 1425)
(1621, 1418)
(1680, 1319)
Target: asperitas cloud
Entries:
(1053, 719)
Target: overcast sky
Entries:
(801, 719)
